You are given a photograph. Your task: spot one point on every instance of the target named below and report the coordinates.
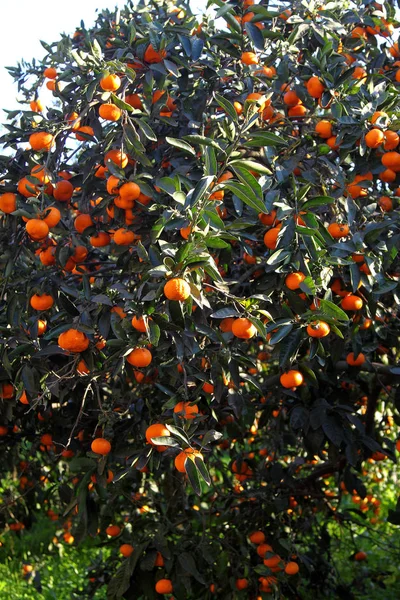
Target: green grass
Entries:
(60, 572)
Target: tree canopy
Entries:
(199, 293)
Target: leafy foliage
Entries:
(215, 256)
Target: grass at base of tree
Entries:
(60, 572)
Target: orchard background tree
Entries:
(199, 304)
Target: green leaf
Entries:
(204, 141)
(227, 106)
(96, 49)
(146, 129)
(201, 467)
(210, 160)
(28, 379)
(264, 138)
(188, 564)
(179, 433)
(193, 476)
(281, 333)
(255, 35)
(165, 440)
(181, 145)
(250, 165)
(318, 201)
(154, 332)
(199, 192)
(332, 310)
(171, 67)
(246, 195)
(248, 179)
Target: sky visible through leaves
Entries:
(26, 23)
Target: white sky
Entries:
(25, 23)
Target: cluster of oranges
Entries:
(188, 250)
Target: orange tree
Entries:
(199, 251)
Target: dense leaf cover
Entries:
(201, 231)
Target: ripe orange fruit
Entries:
(8, 203)
(324, 129)
(110, 112)
(257, 537)
(273, 561)
(152, 56)
(73, 340)
(50, 73)
(359, 73)
(290, 98)
(47, 257)
(249, 58)
(82, 368)
(374, 138)
(338, 230)
(391, 160)
(355, 361)
(37, 229)
(379, 114)
(394, 50)
(208, 387)
(139, 324)
(164, 586)
(82, 222)
(119, 311)
(157, 430)
(293, 280)
(177, 289)
(291, 379)
(271, 238)
(243, 328)
(388, 176)
(100, 239)
(41, 301)
(351, 302)
(189, 410)
(126, 550)
(242, 583)
(110, 83)
(46, 439)
(360, 555)
(7, 391)
(113, 530)
(332, 142)
(129, 191)
(124, 237)
(185, 232)
(385, 203)
(118, 157)
(392, 140)
(267, 218)
(226, 324)
(36, 106)
(101, 446)
(292, 568)
(87, 130)
(63, 191)
(51, 216)
(318, 329)
(41, 140)
(359, 32)
(134, 100)
(180, 459)
(24, 398)
(139, 357)
(315, 87)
